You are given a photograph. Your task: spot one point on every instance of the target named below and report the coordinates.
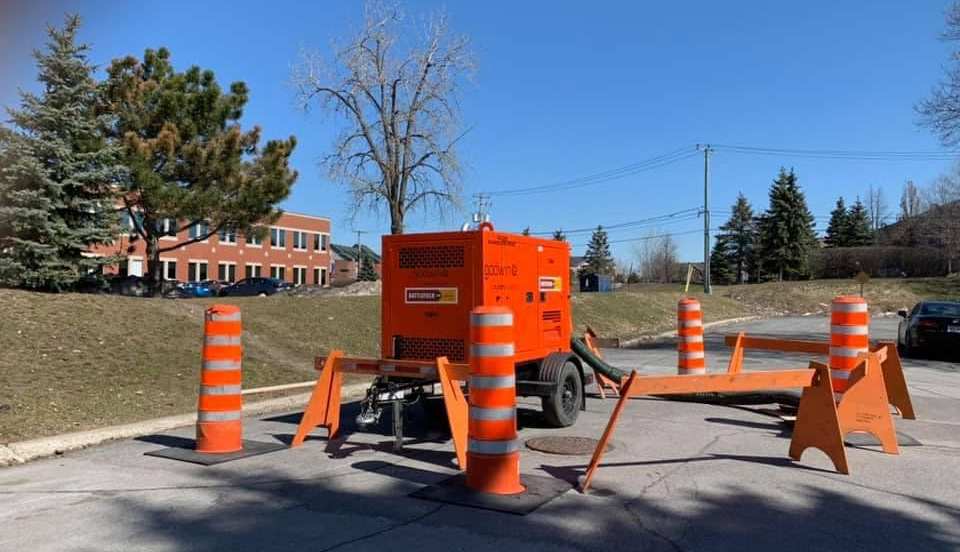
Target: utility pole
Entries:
(359, 252)
(707, 150)
(483, 203)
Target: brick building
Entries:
(345, 265)
(296, 249)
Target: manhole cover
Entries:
(565, 444)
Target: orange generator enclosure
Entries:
(432, 281)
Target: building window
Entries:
(167, 227)
(299, 275)
(254, 241)
(299, 240)
(278, 271)
(169, 270)
(199, 230)
(320, 276)
(252, 270)
(196, 271)
(227, 236)
(320, 242)
(227, 272)
(278, 238)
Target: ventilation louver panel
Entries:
(434, 256)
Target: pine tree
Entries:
(838, 230)
(736, 243)
(191, 166)
(786, 229)
(367, 271)
(55, 195)
(598, 257)
(859, 233)
(558, 235)
(721, 269)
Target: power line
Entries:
(669, 218)
(652, 163)
(651, 237)
(852, 155)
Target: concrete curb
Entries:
(626, 344)
(25, 451)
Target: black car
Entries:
(931, 326)
(255, 286)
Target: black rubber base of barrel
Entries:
(185, 454)
(454, 490)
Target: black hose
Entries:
(752, 397)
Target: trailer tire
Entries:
(562, 406)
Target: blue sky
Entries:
(566, 89)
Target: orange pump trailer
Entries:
(432, 281)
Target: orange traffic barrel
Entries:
(219, 410)
(849, 336)
(493, 449)
(690, 353)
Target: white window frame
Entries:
(193, 228)
(284, 267)
(278, 229)
(225, 232)
(324, 279)
(194, 277)
(259, 267)
(299, 236)
(169, 225)
(302, 269)
(246, 240)
(228, 264)
(164, 264)
(321, 248)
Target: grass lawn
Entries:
(71, 362)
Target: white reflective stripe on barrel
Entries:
(691, 323)
(850, 330)
(493, 447)
(692, 338)
(222, 339)
(221, 365)
(492, 350)
(690, 355)
(687, 307)
(493, 382)
(492, 414)
(220, 389)
(847, 351)
(849, 307)
(492, 319)
(235, 317)
(840, 374)
(208, 416)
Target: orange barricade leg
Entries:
(608, 432)
(603, 382)
(456, 405)
(864, 406)
(818, 423)
(324, 406)
(895, 383)
(736, 357)
(219, 407)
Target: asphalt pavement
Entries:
(681, 477)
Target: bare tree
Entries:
(657, 256)
(941, 111)
(941, 221)
(911, 204)
(399, 102)
(877, 209)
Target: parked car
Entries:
(206, 288)
(255, 286)
(931, 326)
(128, 285)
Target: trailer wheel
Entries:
(562, 406)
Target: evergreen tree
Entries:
(191, 166)
(859, 233)
(838, 230)
(367, 271)
(558, 235)
(786, 230)
(55, 195)
(721, 269)
(526, 231)
(736, 243)
(598, 257)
